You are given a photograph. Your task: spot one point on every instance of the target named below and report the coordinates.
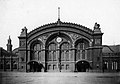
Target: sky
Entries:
(16, 14)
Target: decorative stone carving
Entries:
(22, 43)
(24, 32)
(74, 36)
(43, 38)
(91, 42)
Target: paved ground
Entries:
(59, 78)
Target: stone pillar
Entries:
(73, 58)
(74, 65)
(59, 57)
(44, 58)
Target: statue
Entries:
(97, 25)
(24, 30)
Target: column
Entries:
(44, 58)
(74, 58)
(59, 57)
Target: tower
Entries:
(97, 47)
(23, 50)
(9, 45)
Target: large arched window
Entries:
(81, 51)
(65, 52)
(52, 52)
(37, 52)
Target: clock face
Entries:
(59, 39)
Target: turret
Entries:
(9, 45)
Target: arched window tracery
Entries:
(52, 52)
(65, 51)
(37, 52)
(81, 52)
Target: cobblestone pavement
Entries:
(59, 78)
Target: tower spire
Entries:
(58, 13)
(9, 45)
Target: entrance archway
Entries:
(82, 66)
(35, 66)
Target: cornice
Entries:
(61, 24)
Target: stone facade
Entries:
(60, 47)
(111, 57)
(8, 58)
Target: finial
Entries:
(9, 37)
(58, 22)
(58, 13)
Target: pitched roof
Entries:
(111, 49)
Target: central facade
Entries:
(60, 47)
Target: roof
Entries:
(6, 53)
(64, 24)
(111, 49)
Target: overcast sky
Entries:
(15, 14)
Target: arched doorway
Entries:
(35, 66)
(82, 66)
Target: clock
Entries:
(59, 39)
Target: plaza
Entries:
(59, 78)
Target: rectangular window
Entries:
(114, 65)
